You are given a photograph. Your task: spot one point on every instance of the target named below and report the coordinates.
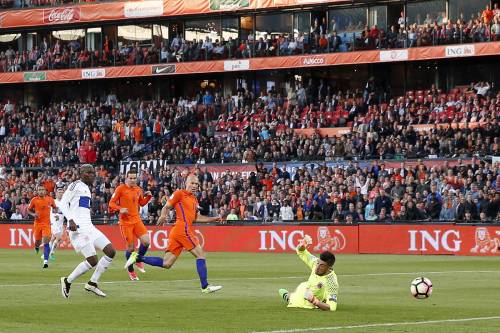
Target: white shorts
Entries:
(57, 228)
(87, 241)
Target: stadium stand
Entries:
(433, 30)
(40, 145)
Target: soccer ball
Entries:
(421, 287)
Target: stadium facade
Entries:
(130, 48)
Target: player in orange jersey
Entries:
(39, 208)
(126, 200)
(182, 235)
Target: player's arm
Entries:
(165, 212)
(114, 202)
(206, 219)
(325, 306)
(145, 197)
(55, 209)
(31, 209)
(304, 255)
(64, 207)
(332, 287)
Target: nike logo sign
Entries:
(165, 69)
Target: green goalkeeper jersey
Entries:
(325, 288)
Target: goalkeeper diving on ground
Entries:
(321, 289)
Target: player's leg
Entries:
(54, 243)
(143, 248)
(128, 236)
(140, 232)
(88, 251)
(171, 254)
(38, 237)
(46, 235)
(297, 300)
(101, 242)
(201, 268)
(284, 294)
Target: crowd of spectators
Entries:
(38, 145)
(461, 123)
(347, 194)
(58, 54)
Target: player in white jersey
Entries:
(56, 222)
(84, 236)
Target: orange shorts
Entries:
(179, 241)
(131, 232)
(42, 230)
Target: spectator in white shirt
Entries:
(482, 88)
(286, 212)
(17, 215)
(207, 45)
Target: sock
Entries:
(53, 246)
(201, 267)
(153, 261)
(81, 269)
(37, 248)
(127, 255)
(142, 250)
(102, 265)
(285, 297)
(46, 251)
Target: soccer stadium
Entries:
(238, 166)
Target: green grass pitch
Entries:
(374, 294)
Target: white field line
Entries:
(252, 278)
(404, 323)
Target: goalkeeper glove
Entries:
(306, 241)
(309, 296)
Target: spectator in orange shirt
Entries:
(138, 133)
(487, 15)
(323, 42)
(267, 182)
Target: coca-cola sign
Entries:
(61, 15)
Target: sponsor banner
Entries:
(330, 132)
(122, 10)
(236, 65)
(394, 55)
(229, 4)
(383, 239)
(163, 69)
(34, 76)
(216, 170)
(429, 127)
(292, 168)
(339, 131)
(244, 170)
(267, 239)
(465, 50)
(94, 73)
(429, 239)
(313, 61)
(150, 8)
(61, 15)
(219, 66)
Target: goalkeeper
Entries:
(321, 290)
